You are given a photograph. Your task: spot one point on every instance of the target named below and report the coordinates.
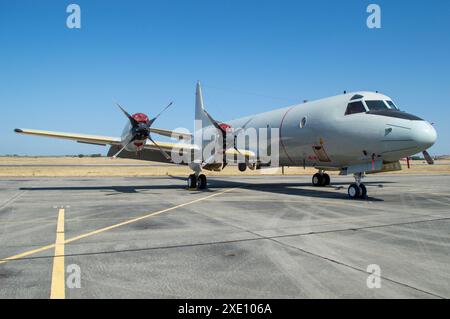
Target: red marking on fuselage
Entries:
(140, 118)
(281, 131)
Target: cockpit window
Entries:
(356, 97)
(392, 105)
(376, 105)
(355, 107)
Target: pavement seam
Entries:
(355, 268)
(13, 199)
(260, 237)
(104, 229)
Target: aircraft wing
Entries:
(169, 147)
(81, 138)
(116, 141)
(169, 133)
(152, 153)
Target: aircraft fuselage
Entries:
(320, 134)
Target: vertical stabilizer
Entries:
(199, 108)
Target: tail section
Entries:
(201, 118)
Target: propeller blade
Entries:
(242, 128)
(210, 160)
(214, 122)
(121, 150)
(159, 114)
(428, 158)
(236, 149)
(237, 132)
(160, 149)
(133, 122)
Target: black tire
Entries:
(363, 190)
(192, 181)
(317, 180)
(354, 191)
(202, 182)
(326, 180)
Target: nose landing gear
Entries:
(357, 189)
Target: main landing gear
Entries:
(198, 182)
(357, 189)
(321, 179)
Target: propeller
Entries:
(141, 130)
(428, 158)
(224, 139)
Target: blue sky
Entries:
(251, 56)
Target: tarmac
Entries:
(243, 237)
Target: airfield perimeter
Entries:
(245, 237)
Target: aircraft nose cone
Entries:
(424, 135)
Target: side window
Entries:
(355, 107)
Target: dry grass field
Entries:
(95, 167)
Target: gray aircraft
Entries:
(354, 133)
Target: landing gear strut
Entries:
(321, 179)
(357, 189)
(198, 182)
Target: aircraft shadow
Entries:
(118, 189)
(288, 188)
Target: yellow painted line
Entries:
(101, 230)
(44, 248)
(27, 253)
(58, 290)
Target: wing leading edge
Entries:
(82, 138)
(115, 141)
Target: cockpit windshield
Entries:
(376, 105)
(392, 105)
(355, 107)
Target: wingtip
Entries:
(18, 130)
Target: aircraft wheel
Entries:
(202, 182)
(242, 167)
(326, 179)
(192, 181)
(354, 191)
(317, 180)
(363, 189)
